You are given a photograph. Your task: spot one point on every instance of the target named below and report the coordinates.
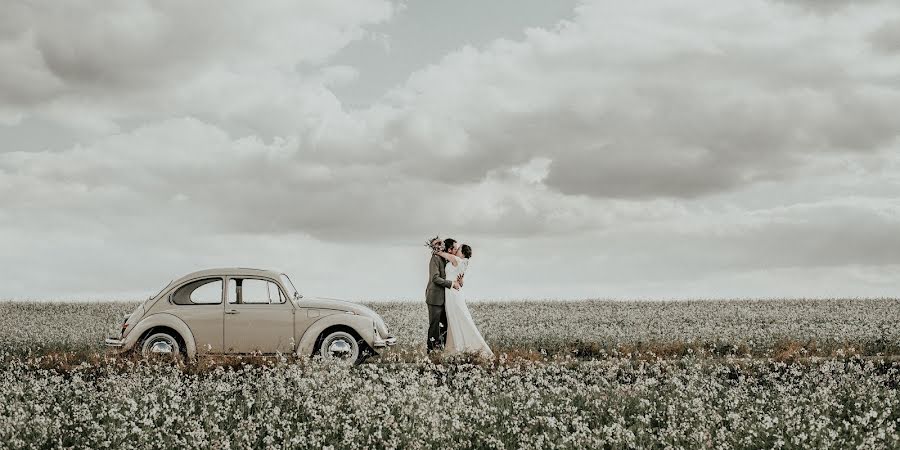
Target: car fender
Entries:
(162, 320)
(363, 325)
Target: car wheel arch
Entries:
(313, 335)
(163, 329)
(159, 321)
(339, 327)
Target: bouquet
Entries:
(434, 244)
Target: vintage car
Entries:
(235, 311)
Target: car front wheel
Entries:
(341, 346)
(161, 345)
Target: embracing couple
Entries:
(450, 325)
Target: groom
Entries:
(434, 294)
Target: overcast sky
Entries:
(602, 149)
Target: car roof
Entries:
(229, 271)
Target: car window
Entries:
(275, 294)
(252, 291)
(200, 292)
(231, 295)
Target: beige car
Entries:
(235, 311)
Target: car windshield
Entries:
(292, 291)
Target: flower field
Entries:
(592, 374)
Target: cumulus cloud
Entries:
(195, 172)
(229, 61)
(646, 100)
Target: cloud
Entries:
(569, 129)
(646, 101)
(605, 114)
(827, 6)
(836, 232)
(195, 172)
(229, 61)
(887, 37)
(733, 251)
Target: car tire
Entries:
(161, 345)
(342, 346)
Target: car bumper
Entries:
(385, 342)
(115, 343)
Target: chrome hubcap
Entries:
(340, 348)
(162, 347)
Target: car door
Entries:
(198, 304)
(258, 317)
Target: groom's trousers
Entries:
(437, 327)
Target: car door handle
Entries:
(231, 311)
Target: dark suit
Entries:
(434, 297)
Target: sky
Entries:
(585, 149)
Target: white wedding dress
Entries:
(462, 334)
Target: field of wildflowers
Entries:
(593, 374)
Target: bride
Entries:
(462, 334)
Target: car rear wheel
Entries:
(342, 346)
(161, 345)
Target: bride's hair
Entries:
(466, 251)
